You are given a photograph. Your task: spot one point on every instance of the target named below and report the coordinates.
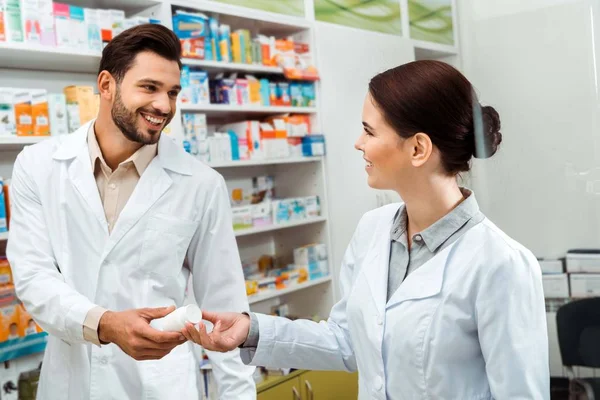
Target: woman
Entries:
(437, 302)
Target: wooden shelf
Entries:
(256, 298)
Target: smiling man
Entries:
(107, 225)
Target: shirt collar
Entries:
(140, 159)
(435, 235)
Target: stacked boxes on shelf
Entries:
(19, 334)
(203, 38)
(243, 90)
(254, 204)
(61, 25)
(273, 138)
(268, 275)
(576, 276)
(35, 112)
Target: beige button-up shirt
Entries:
(115, 188)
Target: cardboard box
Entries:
(584, 285)
(556, 286)
(23, 112)
(78, 28)
(40, 112)
(8, 124)
(314, 258)
(81, 106)
(30, 11)
(242, 217)
(62, 25)
(13, 23)
(27, 326)
(57, 112)
(94, 35)
(117, 18)
(583, 260)
(551, 266)
(2, 26)
(48, 35)
(6, 277)
(9, 322)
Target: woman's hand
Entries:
(229, 332)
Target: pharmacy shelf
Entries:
(257, 298)
(3, 236)
(218, 66)
(252, 163)
(267, 23)
(17, 143)
(45, 58)
(220, 110)
(276, 227)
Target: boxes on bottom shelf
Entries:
(584, 285)
(556, 286)
(314, 258)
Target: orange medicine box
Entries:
(5, 273)
(9, 321)
(23, 112)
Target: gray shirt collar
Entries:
(435, 235)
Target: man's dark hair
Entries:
(121, 51)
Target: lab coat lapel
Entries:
(377, 265)
(425, 282)
(81, 174)
(153, 184)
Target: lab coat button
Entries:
(103, 360)
(378, 383)
(379, 321)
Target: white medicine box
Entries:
(583, 260)
(556, 286)
(585, 285)
(551, 266)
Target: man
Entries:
(107, 225)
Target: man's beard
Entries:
(126, 120)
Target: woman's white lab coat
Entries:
(469, 324)
(65, 262)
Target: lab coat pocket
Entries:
(165, 244)
(172, 377)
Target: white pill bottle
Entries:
(176, 320)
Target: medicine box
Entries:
(30, 12)
(583, 260)
(551, 266)
(556, 286)
(57, 111)
(242, 217)
(13, 23)
(23, 112)
(80, 105)
(40, 112)
(584, 285)
(8, 124)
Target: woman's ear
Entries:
(421, 149)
